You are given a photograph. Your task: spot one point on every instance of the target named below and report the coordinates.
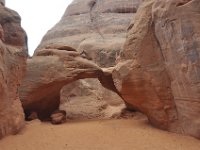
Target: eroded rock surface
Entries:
(13, 53)
(97, 29)
(47, 72)
(2, 2)
(159, 71)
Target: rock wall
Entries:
(159, 71)
(97, 29)
(13, 53)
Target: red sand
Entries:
(122, 134)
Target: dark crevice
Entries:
(121, 10)
(92, 6)
(94, 16)
(182, 3)
(157, 41)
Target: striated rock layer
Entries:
(13, 53)
(97, 29)
(159, 70)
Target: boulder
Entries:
(158, 72)
(58, 117)
(13, 54)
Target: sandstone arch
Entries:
(48, 71)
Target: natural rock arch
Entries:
(48, 71)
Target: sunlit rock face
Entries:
(97, 29)
(13, 53)
(158, 73)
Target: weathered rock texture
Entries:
(97, 29)
(54, 67)
(2, 2)
(159, 70)
(13, 53)
(47, 72)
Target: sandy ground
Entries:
(122, 134)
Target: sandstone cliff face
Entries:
(159, 71)
(13, 53)
(97, 28)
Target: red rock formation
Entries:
(159, 71)
(97, 29)
(47, 72)
(13, 53)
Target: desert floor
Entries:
(121, 134)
